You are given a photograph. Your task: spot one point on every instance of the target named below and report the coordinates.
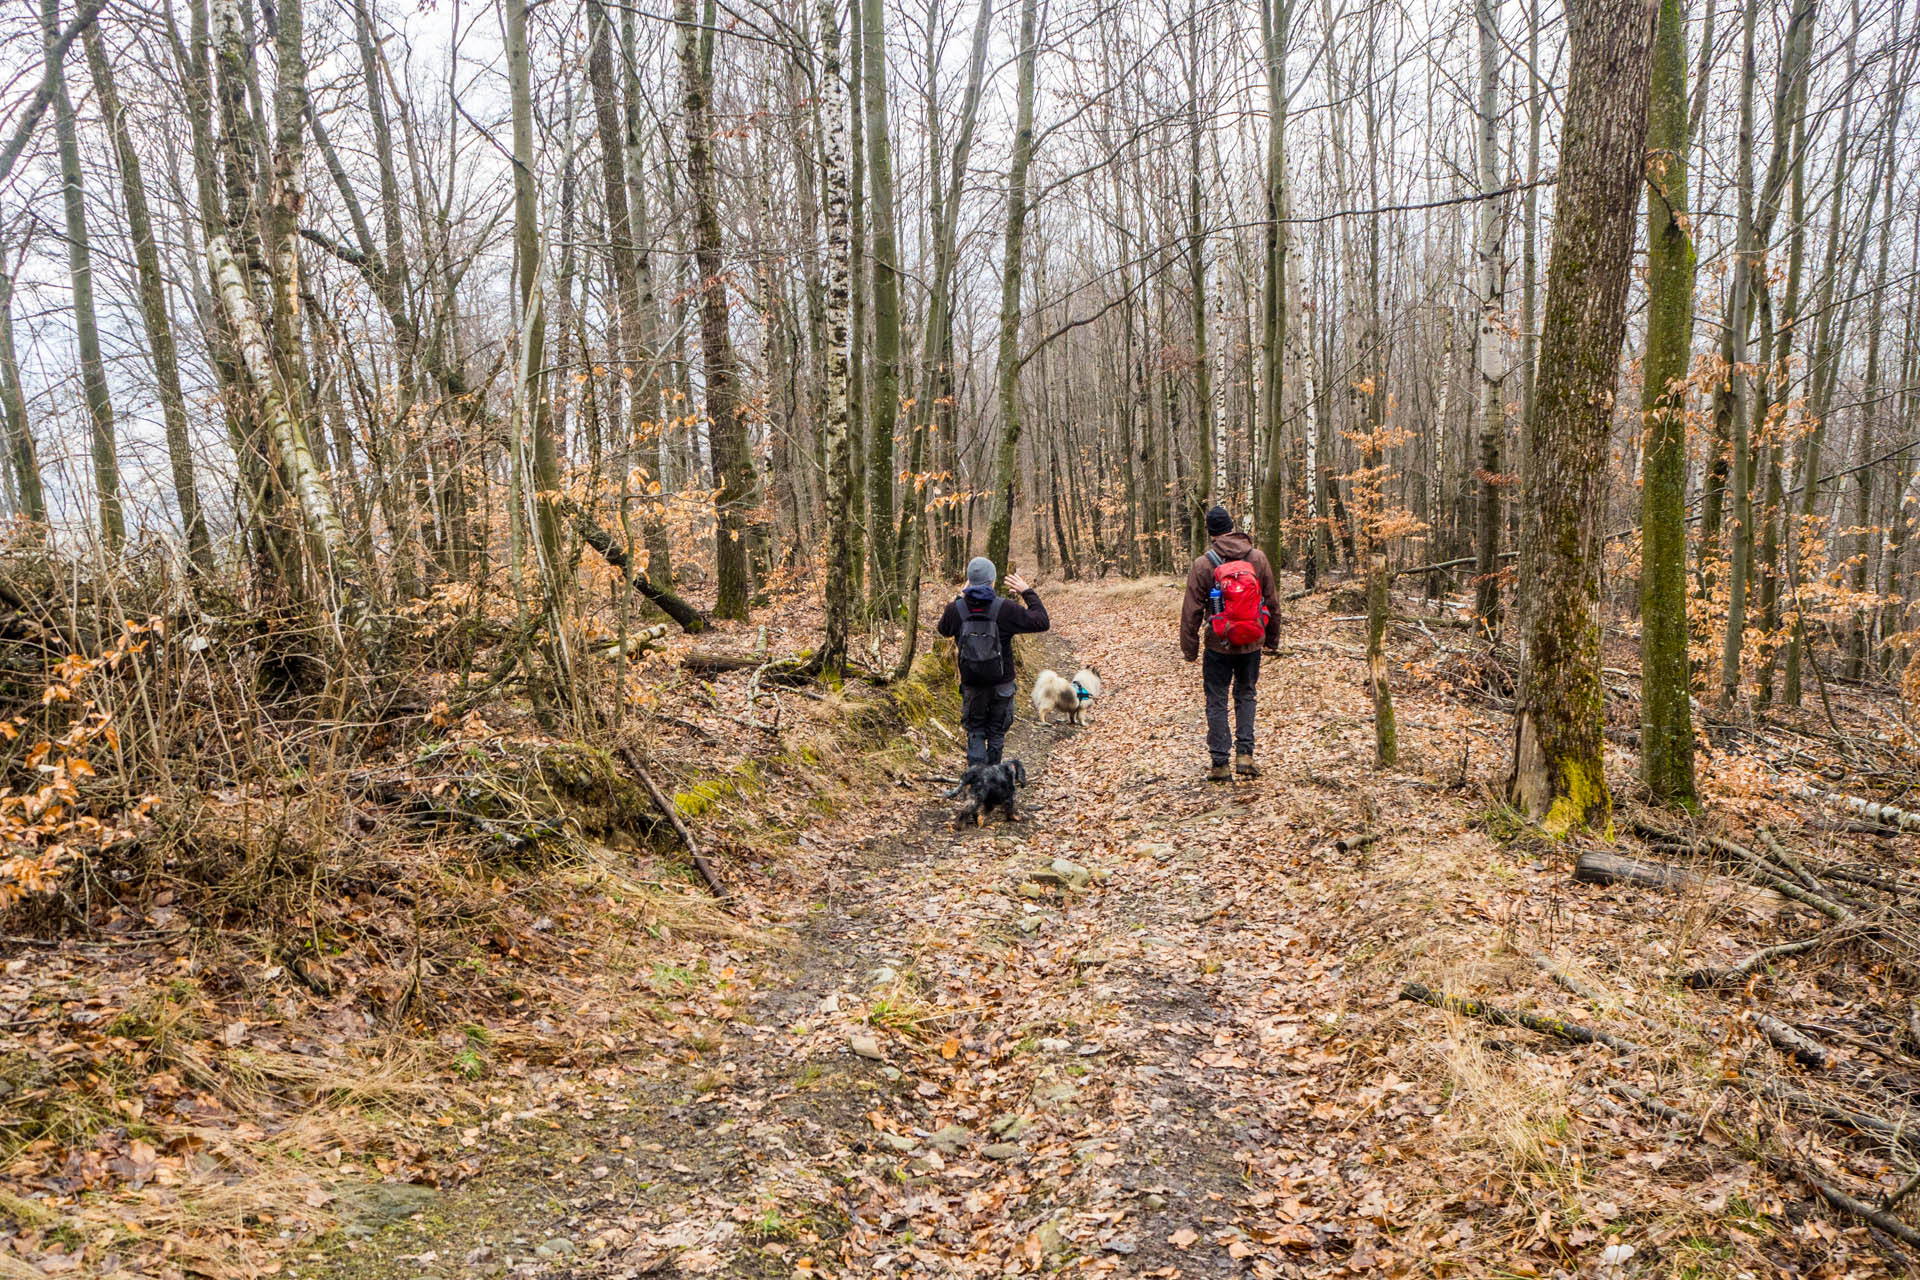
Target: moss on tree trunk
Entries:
(1558, 771)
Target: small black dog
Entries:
(991, 787)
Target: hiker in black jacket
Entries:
(984, 624)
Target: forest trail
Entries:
(1194, 1066)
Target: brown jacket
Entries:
(1193, 609)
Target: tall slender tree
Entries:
(86, 327)
(544, 477)
(1666, 713)
(839, 513)
(23, 457)
(883, 397)
(153, 305)
(1007, 450)
(1490, 344)
(726, 408)
(1558, 773)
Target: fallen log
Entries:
(1558, 1028)
(1351, 844)
(672, 815)
(1885, 815)
(610, 549)
(1793, 1042)
(1597, 866)
(1899, 1133)
(795, 670)
(1762, 871)
(636, 643)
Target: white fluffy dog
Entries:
(1054, 692)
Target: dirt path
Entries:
(1191, 1066)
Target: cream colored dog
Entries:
(1054, 692)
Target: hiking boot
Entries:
(1220, 773)
(1243, 764)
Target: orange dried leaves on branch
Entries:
(49, 819)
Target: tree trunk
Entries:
(1007, 451)
(1490, 351)
(1666, 713)
(1864, 577)
(1203, 407)
(1268, 514)
(13, 411)
(883, 388)
(1730, 403)
(545, 474)
(840, 500)
(630, 329)
(647, 341)
(1386, 736)
(153, 307)
(93, 370)
(1558, 774)
(328, 548)
(1529, 234)
(1778, 529)
(1819, 372)
(727, 428)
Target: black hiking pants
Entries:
(1238, 674)
(986, 711)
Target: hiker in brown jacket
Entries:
(1228, 667)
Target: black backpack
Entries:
(979, 642)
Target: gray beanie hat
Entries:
(980, 572)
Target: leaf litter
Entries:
(931, 1057)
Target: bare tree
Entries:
(1558, 774)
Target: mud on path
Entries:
(1185, 1060)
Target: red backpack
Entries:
(1242, 615)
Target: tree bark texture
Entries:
(1558, 775)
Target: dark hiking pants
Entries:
(1237, 673)
(986, 711)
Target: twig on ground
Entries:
(1785, 858)
(1559, 1028)
(1565, 980)
(672, 815)
(1779, 1164)
(1711, 977)
(1900, 1133)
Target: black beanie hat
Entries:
(1219, 522)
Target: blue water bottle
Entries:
(1213, 602)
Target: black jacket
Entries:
(1026, 616)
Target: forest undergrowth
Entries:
(458, 1005)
